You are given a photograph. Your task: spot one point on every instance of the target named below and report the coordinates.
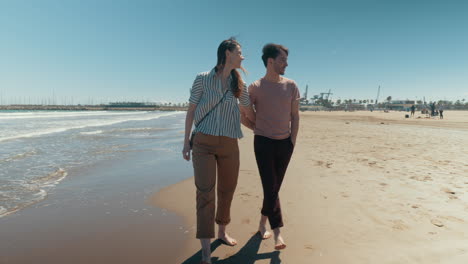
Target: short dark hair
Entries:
(272, 50)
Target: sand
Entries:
(362, 187)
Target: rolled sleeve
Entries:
(196, 91)
(244, 99)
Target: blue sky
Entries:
(99, 51)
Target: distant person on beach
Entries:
(441, 112)
(413, 108)
(276, 103)
(215, 111)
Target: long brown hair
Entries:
(237, 84)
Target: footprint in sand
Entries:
(245, 196)
(451, 193)
(437, 223)
(246, 221)
(345, 195)
(323, 163)
(399, 225)
(308, 247)
(421, 178)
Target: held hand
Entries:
(186, 151)
(246, 122)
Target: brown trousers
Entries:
(214, 155)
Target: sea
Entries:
(39, 149)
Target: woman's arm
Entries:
(248, 116)
(188, 129)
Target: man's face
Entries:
(280, 63)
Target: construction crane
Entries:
(305, 94)
(304, 100)
(327, 94)
(378, 93)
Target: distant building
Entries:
(401, 105)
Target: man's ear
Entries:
(269, 60)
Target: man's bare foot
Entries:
(279, 242)
(262, 227)
(264, 233)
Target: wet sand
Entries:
(99, 214)
(361, 188)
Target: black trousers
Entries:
(273, 157)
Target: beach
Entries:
(362, 187)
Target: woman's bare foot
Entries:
(223, 236)
(206, 251)
(279, 242)
(264, 233)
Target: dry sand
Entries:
(361, 188)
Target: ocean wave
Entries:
(41, 115)
(140, 129)
(97, 124)
(19, 156)
(36, 190)
(91, 132)
(38, 197)
(51, 179)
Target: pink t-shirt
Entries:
(273, 104)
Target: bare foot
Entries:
(262, 227)
(279, 242)
(264, 232)
(223, 236)
(227, 239)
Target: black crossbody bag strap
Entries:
(193, 133)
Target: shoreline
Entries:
(87, 108)
(361, 188)
(99, 214)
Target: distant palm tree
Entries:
(389, 98)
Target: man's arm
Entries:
(294, 121)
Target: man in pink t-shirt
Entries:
(276, 102)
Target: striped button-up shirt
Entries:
(224, 119)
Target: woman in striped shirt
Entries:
(215, 110)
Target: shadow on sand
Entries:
(246, 255)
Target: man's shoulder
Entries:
(289, 81)
(255, 84)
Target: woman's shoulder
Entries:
(205, 74)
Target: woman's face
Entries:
(235, 57)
